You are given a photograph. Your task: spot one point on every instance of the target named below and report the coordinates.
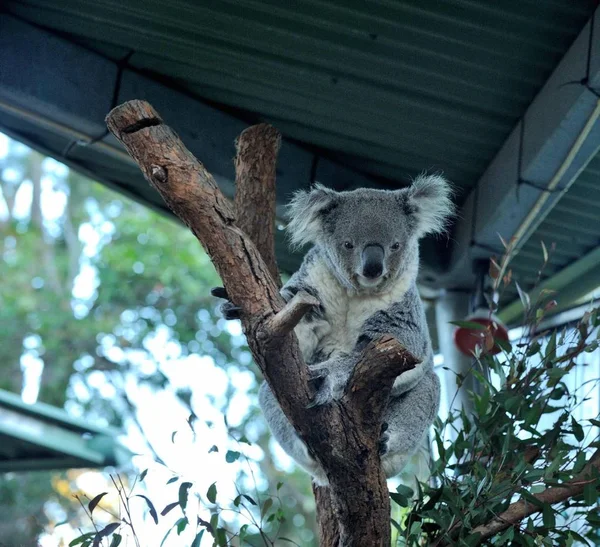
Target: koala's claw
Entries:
(321, 397)
(229, 310)
(317, 373)
(219, 292)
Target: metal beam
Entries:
(40, 436)
(546, 136)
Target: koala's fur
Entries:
(355, 309)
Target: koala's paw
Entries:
(329, 378)
(384, 439)
(229, 310)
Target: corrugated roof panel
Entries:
(573, 226)
(389, 87)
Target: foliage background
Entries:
(105, 310)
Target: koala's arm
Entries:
(406, 322)
(312, 326)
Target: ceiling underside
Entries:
(390, 88)
(368, 93)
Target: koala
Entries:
(362, 268)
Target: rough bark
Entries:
(254, 202)
(329, 531)
(342, 436)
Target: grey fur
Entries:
(356, 309)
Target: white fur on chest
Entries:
(345, 312)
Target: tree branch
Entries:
(343, 435)
(521, 509)
(383, 361)
(284, 321)
(257, 148)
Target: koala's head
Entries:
(370, 237)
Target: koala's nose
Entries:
(372, 261)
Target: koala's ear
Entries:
(429, 200)
(306, 211)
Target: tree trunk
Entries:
(342, 436)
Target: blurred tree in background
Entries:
(105, 310)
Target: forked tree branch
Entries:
(342, 436)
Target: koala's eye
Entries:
(348, 245)
(395, 246)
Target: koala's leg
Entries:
(286, 435)
(408, 417)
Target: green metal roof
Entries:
(389, 88)
(573, 228)
(40, 436)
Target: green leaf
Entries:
(551, 347)
(116, 540)
(503, 344)
(507, 536)
(243, 439)
(471, 325)
(166, 536)
(94, 502)
(143, 475)
(231, 456)
(434, 497)
(213, 448)
(211, 493)
(80, 539)
(548, 516)
(577, 429)
(525, 300)
(198, 539)
(184, 488)
(105, 532)
(544, 252)
(401, 500)
(249, 499)
(593, 518)
(266, 506)
(221, 537)
(590, 494)
(530, 498)
(214, 524)
(579, 537)
(181, 525)
(172, 480)
(151, 508)
(279, 485)
(169, 508)
(243, 532)
(579, 462)
(405, 491)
